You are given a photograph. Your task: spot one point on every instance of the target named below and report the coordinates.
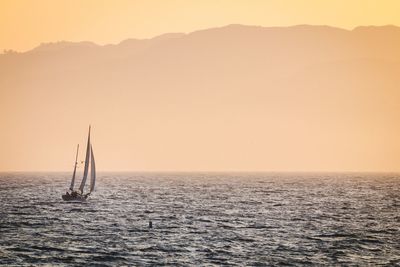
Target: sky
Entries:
(24, 24)
(266, 102)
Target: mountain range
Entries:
(230, 98)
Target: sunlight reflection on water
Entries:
(202, 219)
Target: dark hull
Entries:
(78, 198)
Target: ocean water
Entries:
(202, 219)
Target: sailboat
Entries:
(79, 195)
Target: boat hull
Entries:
(78, 198)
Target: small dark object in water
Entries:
(150, 224)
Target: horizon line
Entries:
(199, 171)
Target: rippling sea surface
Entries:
(202, 219)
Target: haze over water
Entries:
(300, 98)
(202, 219)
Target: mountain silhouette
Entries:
(235, 97)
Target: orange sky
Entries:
(286, 100)
(25, 24)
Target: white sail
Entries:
(86, 169)
(92, 170)
(71, 187)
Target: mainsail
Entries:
(86, 169)
(71, 187)
(78, 195)
(92, 170)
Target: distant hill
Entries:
(230, 98)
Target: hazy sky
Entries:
(232, 98)
(25, 24)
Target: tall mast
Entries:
(86, 169)
(71, 187)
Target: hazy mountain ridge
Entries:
(235, 90)
(388, 32)
(305, 43)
